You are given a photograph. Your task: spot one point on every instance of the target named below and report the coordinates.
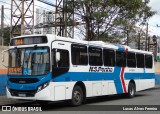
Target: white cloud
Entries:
(154, 4)
(155, 20)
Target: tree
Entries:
(6, 36)
(102, 16)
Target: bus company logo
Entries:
(100, 69)
(6, 108)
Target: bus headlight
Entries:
(42, 86)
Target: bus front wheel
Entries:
(77, 96)
(131, 90)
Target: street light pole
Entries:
(146, 38)
(2, 24)
(127, 36)
(139, 40)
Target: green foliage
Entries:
(103, 16)
(6, 36)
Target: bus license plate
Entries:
(21, 95)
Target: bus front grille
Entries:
(23, 80)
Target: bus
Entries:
(53, 68)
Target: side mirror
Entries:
(58, 56)
(3, 58)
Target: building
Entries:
(43, 21)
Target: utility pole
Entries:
(148, 43)
(139, 40)
(2, 24)
(22, 18)
(127, 36)
(146, 38)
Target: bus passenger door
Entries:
(60, 62)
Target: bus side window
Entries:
(62, 66)
(131, 60)
(79, 54)
(120, 59)
(95, 56)
(108, 57)
(148, 61)
(140, 60)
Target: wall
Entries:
(3, 82)
(157, 72)
(3, 70)
(157, 79)
(157, 67)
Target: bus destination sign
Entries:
(29, 40)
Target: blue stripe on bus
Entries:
(82, 76)
(86, 76)
(117, 80)
(93, 76)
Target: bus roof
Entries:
(52, 37)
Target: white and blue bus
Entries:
(53, 68)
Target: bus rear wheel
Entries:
(77, 96)
(131, 90)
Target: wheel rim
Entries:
(77, 96)
(132, 91)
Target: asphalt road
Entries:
(148, 98)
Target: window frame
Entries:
(54, 55)
(138, 62)
(79, 46)
(114, 62)
(124, 58)
(145, 61)
(101, 55)
(134, 59)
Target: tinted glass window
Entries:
(29, 61)
(108, 57)
(120, 59)
(79, 55)
(131, 59)
(95, 56)
(148, 61)
(64, 58)
(140, 60)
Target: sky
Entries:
(153, 22)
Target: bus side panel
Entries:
(61, 90)
(146, 84)
(99, 88)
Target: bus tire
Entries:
(77, 96)
(131, 90)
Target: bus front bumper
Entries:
(44, 94)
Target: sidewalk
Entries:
(157, 86)
(5, 101)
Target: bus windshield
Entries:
(29, 61)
